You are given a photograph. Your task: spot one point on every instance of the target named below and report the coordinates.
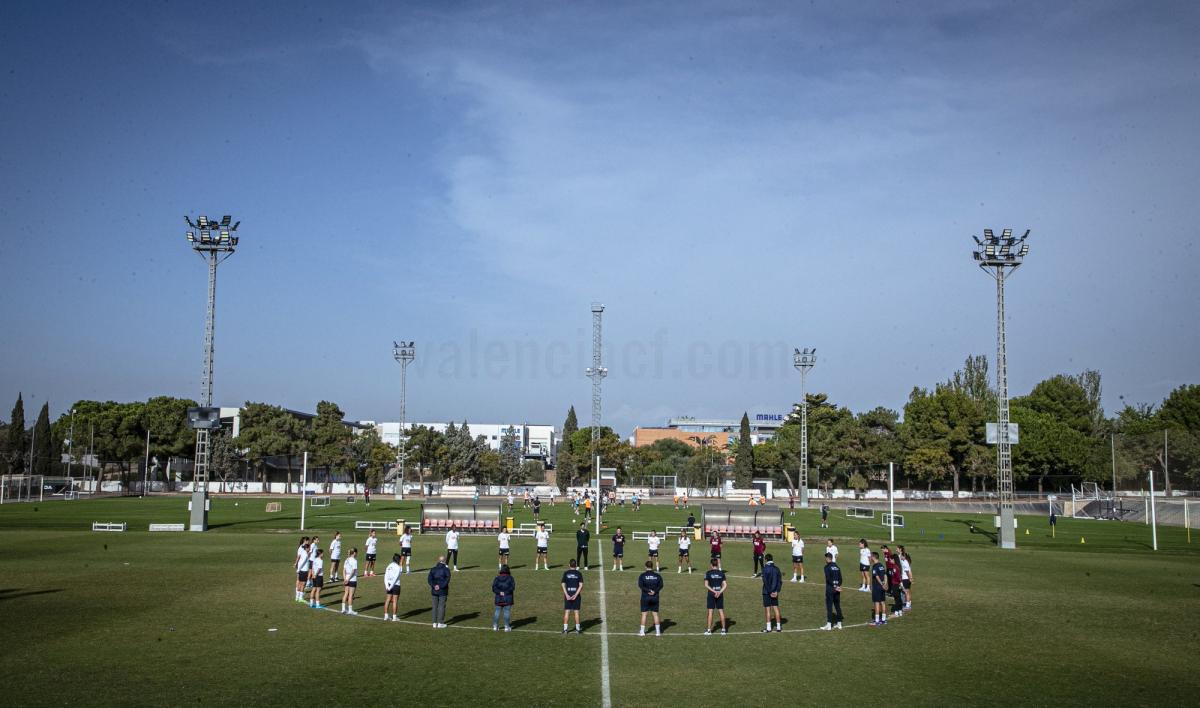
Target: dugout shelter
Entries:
(482, 518)
(735, 520)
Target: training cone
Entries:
(1082, 539)
(1026, 532)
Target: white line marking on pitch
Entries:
(605, 688)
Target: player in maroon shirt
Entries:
(714, 545)
(895, 584)
(760, 548)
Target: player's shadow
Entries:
(14, 593)
(462, 618)
(589, 623)
(667, 624)
(523, 621)
(973, 527)
(730, 623)
(368, 608)
(514, 567)
(467, 567)
(414, 613)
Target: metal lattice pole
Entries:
(804, 360)
(999, 256)
(596, 373)
(404, 353)
(206, 376)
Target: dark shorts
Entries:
(758, 556)
(352, 583)
(319, 582)
(649, 604)
(395, 589)
(572, 604)
(716, 603)
(684, 552)
(907, 583)
(769, 601)
(862, 568)
(654, 554)
(541, 550)
(797, 559)
(877, 594)
(405, 552)
(618, 552)
(370, 557)
(504, 551)
(716, 555)
(302, 576)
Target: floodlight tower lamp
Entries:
(804, 360)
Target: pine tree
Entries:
(565, 459)
(743, 465)
(14, 452)
(43, 445)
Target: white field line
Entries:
(605, 686)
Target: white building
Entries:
(536, 441)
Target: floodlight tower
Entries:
(596, 373)
(999, 257)
(804, 360)
(215, 242)
(403, 353)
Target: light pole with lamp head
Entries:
(804, 360)
(403, 353)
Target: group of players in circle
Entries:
(884, 574)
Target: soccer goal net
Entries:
(318, 502)
(860, 512)
(896, 520)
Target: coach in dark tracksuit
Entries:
(439, 587)
(833, 593)
(581, 546)
(772, 580)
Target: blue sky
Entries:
(730, 179)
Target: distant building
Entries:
(535, 441)
(763, 426)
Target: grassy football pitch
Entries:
(156, 619)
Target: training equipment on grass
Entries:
(465, 516)
(350, 499)
(167, 527)
(108, 526)
(860, 512)
(734, 520)
(894, 520)
(318, 502)
(273, 507)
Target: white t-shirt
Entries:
(503, 537)
(452, 540)
(833, 551)
(797, 546)
(312, 550)
(318, 567)
(391, 576)
(510, 499)
(864, 556)
(350, 568)
(335, 548)
(652, 542)
(542, 538)
(406, 541)
(302, 559)
(372, 541)
(684, 543)
(905, 568)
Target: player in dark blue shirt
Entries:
(651, 585)
(878, 590)
(714, 586)
(833, 593)
(772, 585)
(618, 541)
(581, 546)
(572, 589)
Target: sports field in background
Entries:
(156, 619)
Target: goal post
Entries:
(893, 520)
(860, 512)
(318, 502)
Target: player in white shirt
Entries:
(372, 545)
(301, 568)
(652, 544)
(452, 547)
(335, 555)
(351, 585)
(313, 547)
(797, 559)
(864, 565)
(391, 586)
(685, 557)
(406, 550)
(503, 539)
(541, 538)
(906, 577)
(831, 549)
(510, 501)
(316, 573)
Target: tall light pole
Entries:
(804, 360)
(1000, 256)
(596, 373)
(403, 353)
(215, 242)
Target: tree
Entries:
(43, 445)
(948, 420)
(1048, 447)
(972, 380)
(224, 456)
(269, 431)
(532, 471)
(370, 456)
(565, 458)
(510, 455)
(489, 467)
(14, 450)
(330, 440)
(165, 417)
(611, 451)
(743, 461)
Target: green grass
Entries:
(178, 619)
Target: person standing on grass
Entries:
(541, 539)
(759, 545)
(831, 549)
(367, 496)
(895, 584)
(572, 590)
(652, 543)
(503, 587)
(864, 565)
(618, 543)
(439, 588)
(510, 501)
(391, 588)
(651, 585)
(715, 585)
(537, 509)
(714, 548)
(797, 558)
(335, 556)
(772, 581)
(316, 575)
(452, 546)
(372, 545)
(351, 584)
(906, 577)
(691, 521)
(824, 516)
(581, 546)
(313, 546)
(833, 593)
(302, 565)
(878, 591)
(504, 539)
(406, 550)
(587, 507)
(791, 505)
(685, 557)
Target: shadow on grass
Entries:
(974, 527)
(414, 613)
(462, 618)
(376, 606)
(589, 623)
(14, 593)
(522, 622)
